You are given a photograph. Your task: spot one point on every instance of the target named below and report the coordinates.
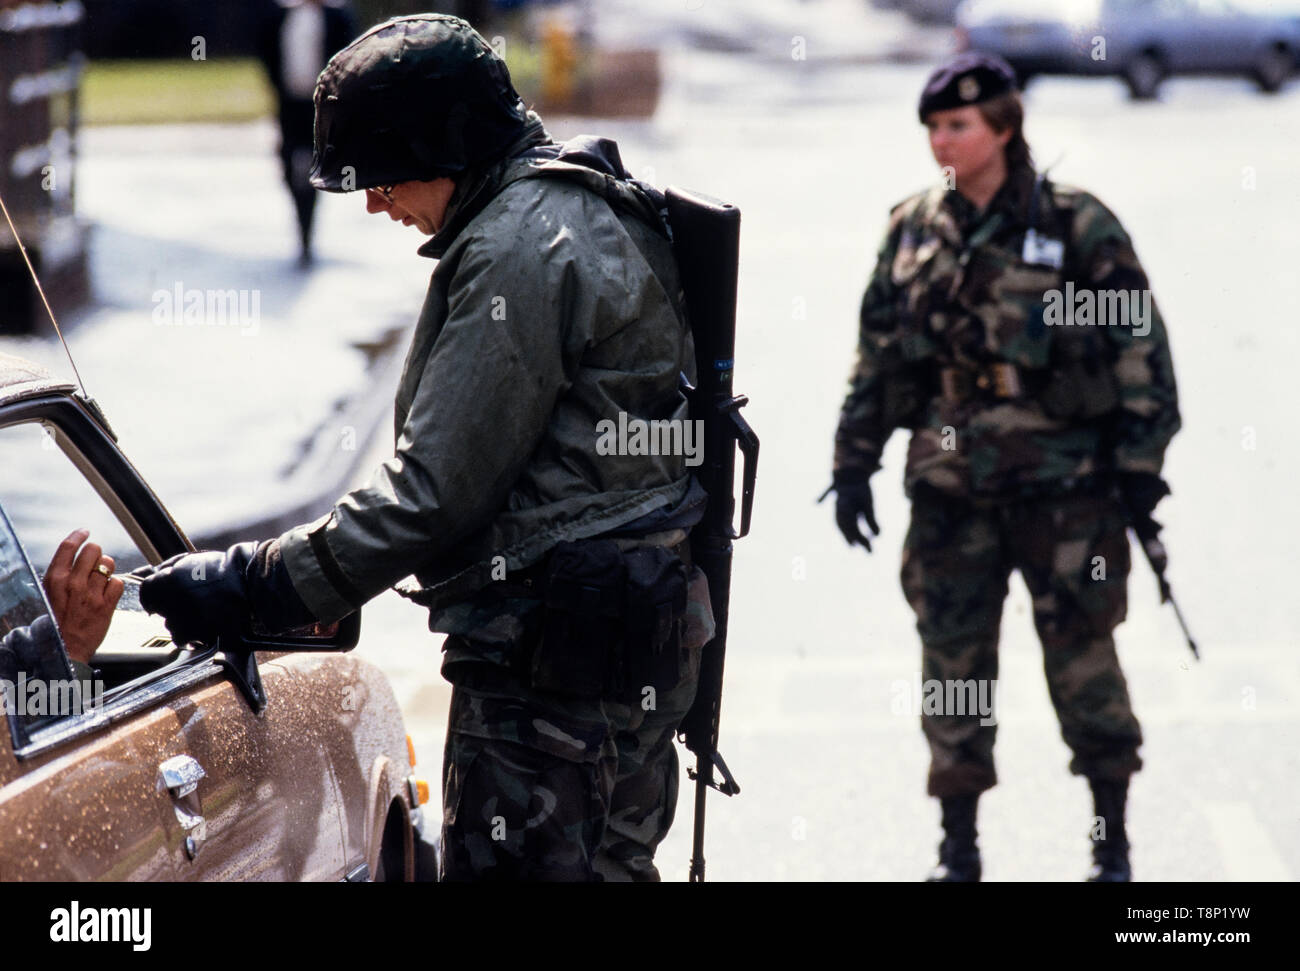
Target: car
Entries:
(1141, 41)
(930, 11)
(257, 757)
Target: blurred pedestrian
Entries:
(297, 39)
(1033, 444)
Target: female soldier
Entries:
(1033, 444)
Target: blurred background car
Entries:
(926, 11)
(1142, 41)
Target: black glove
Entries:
(1140, 492)
(853, 499)
(204, 595)
(200, 595)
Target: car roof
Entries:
(21, 378)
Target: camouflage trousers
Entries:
(539, 786)
(1073, 554)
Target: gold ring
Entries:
(104, 570)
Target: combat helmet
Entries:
(418, 97)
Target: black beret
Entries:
(966, 79)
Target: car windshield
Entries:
(52, 509)
(1035, 11)
(1132, 8)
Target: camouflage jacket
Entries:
(554, 307)
(953, 301)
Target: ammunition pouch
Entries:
(612, 620)
(904, 393)
(582, 619)
(903, 360)
(655, 616)
(1080, 387)
(994, 382)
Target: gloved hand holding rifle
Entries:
(1140, 492)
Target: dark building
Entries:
(40, 70)
(167, 28)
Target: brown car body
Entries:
(178, 775)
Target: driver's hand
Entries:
(82, 594)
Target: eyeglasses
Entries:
(386, 192)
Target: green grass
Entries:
(525, 64)
(174, 91)
(222, 89)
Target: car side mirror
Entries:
(238, 655)
(338, 637)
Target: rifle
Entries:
(706, 242)
(1147, 531)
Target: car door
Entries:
(228, 792)
(76, 802)
(271, 801)
(1178, 30)
(1228, 36)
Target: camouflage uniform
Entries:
(1017, 429)
(543, 787)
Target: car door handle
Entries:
(181, 774)
(192, 823)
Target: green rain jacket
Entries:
(555, 306)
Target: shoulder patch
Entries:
(1067, 196)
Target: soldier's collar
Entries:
(1011, 199)
(476, 188)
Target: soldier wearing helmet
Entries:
(558, 569)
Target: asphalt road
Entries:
(818, 725)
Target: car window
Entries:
(1133, 8)
(1071, 11)
(36, 682)
(46, 498)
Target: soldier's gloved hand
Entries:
(200, 595)
(204, 595)
(1141, 491)
(853, 500)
